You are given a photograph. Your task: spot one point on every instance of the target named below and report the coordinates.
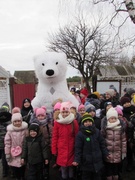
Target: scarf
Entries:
(114, 126)
(88, 130)
(67, 120)
(42, 122)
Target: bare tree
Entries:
(86, 48)
(123, 11)
(121, 6)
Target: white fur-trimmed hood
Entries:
(11, 127)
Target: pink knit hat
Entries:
(65, 106)
(16, 116)
(16, 110)
(119, 110)
(40, 111)
(57, 106)
(81, 106)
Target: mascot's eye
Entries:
(43, 64)
(56, 63)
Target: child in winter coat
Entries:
(83, 95)
(35, 153)
(77, 116)
(5, 118)
(63, 139)
(90, 149)
(13, 144)
(92, 112)
(81, 109)
(45, 128)
(56, 111)
(113, 131)
(26, 110)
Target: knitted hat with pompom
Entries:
(81, 106)
(40, 111)
(111, 113)
(65, 106)
(16, 110)
(16, 117)
(119, 110)
(57, 106)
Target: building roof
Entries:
(26, 77)
(117, 71)
(4, 73)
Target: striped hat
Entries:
(86, 117)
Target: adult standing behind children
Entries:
(108, 98)
(63, 140)
(90, 149)
(35, 153)
(16, 132)
(5, 117)
(26, 110)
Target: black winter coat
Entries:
(128, 112)
(5, 118)
(35, 150)
(90, 149)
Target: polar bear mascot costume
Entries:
(50, 69)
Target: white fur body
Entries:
(51, 70)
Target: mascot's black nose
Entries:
(50, 72)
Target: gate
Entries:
(22, 91)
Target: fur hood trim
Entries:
(11, 127)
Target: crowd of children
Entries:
(96, 137)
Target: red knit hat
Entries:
(84, 92)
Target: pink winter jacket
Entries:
(116, 144)
(14, 137)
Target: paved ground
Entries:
(54, 174)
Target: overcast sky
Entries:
(24, 27)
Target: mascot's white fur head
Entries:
(51, 67)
